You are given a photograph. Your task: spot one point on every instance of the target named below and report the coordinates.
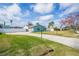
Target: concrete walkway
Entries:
(71, 42)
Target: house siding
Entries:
(39, 28)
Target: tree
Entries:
(50, 24)
(62, 23)
(71, 21)
(11, 21)
(67, 22)
(76, 22)
(1, 25)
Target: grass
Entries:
(14, 45)
(66, 33)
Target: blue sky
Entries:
(43, 13)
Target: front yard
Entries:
(29, 45)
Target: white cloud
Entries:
(43, 20)
(46, 18)
(12, 12)
(40, 22)
(13, 9)
(64, 5)
(3, 14)
(34, 22)
(26, 13)
(72, 9)
(43, 8)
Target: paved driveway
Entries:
(72, 42)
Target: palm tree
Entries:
(11, 21)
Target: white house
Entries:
(29, 27)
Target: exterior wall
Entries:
(30, 30)
(38, 29)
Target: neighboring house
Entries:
(36, 28)
(39, 28)
(50, 26)
(26, 28)
(29, 27)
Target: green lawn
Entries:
(29, 45)
(66, 33)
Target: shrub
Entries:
(0, 33)
(56, 29)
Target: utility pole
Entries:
(4, 24)
(41, 34)
(11, 21)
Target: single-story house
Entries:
(39, 28)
